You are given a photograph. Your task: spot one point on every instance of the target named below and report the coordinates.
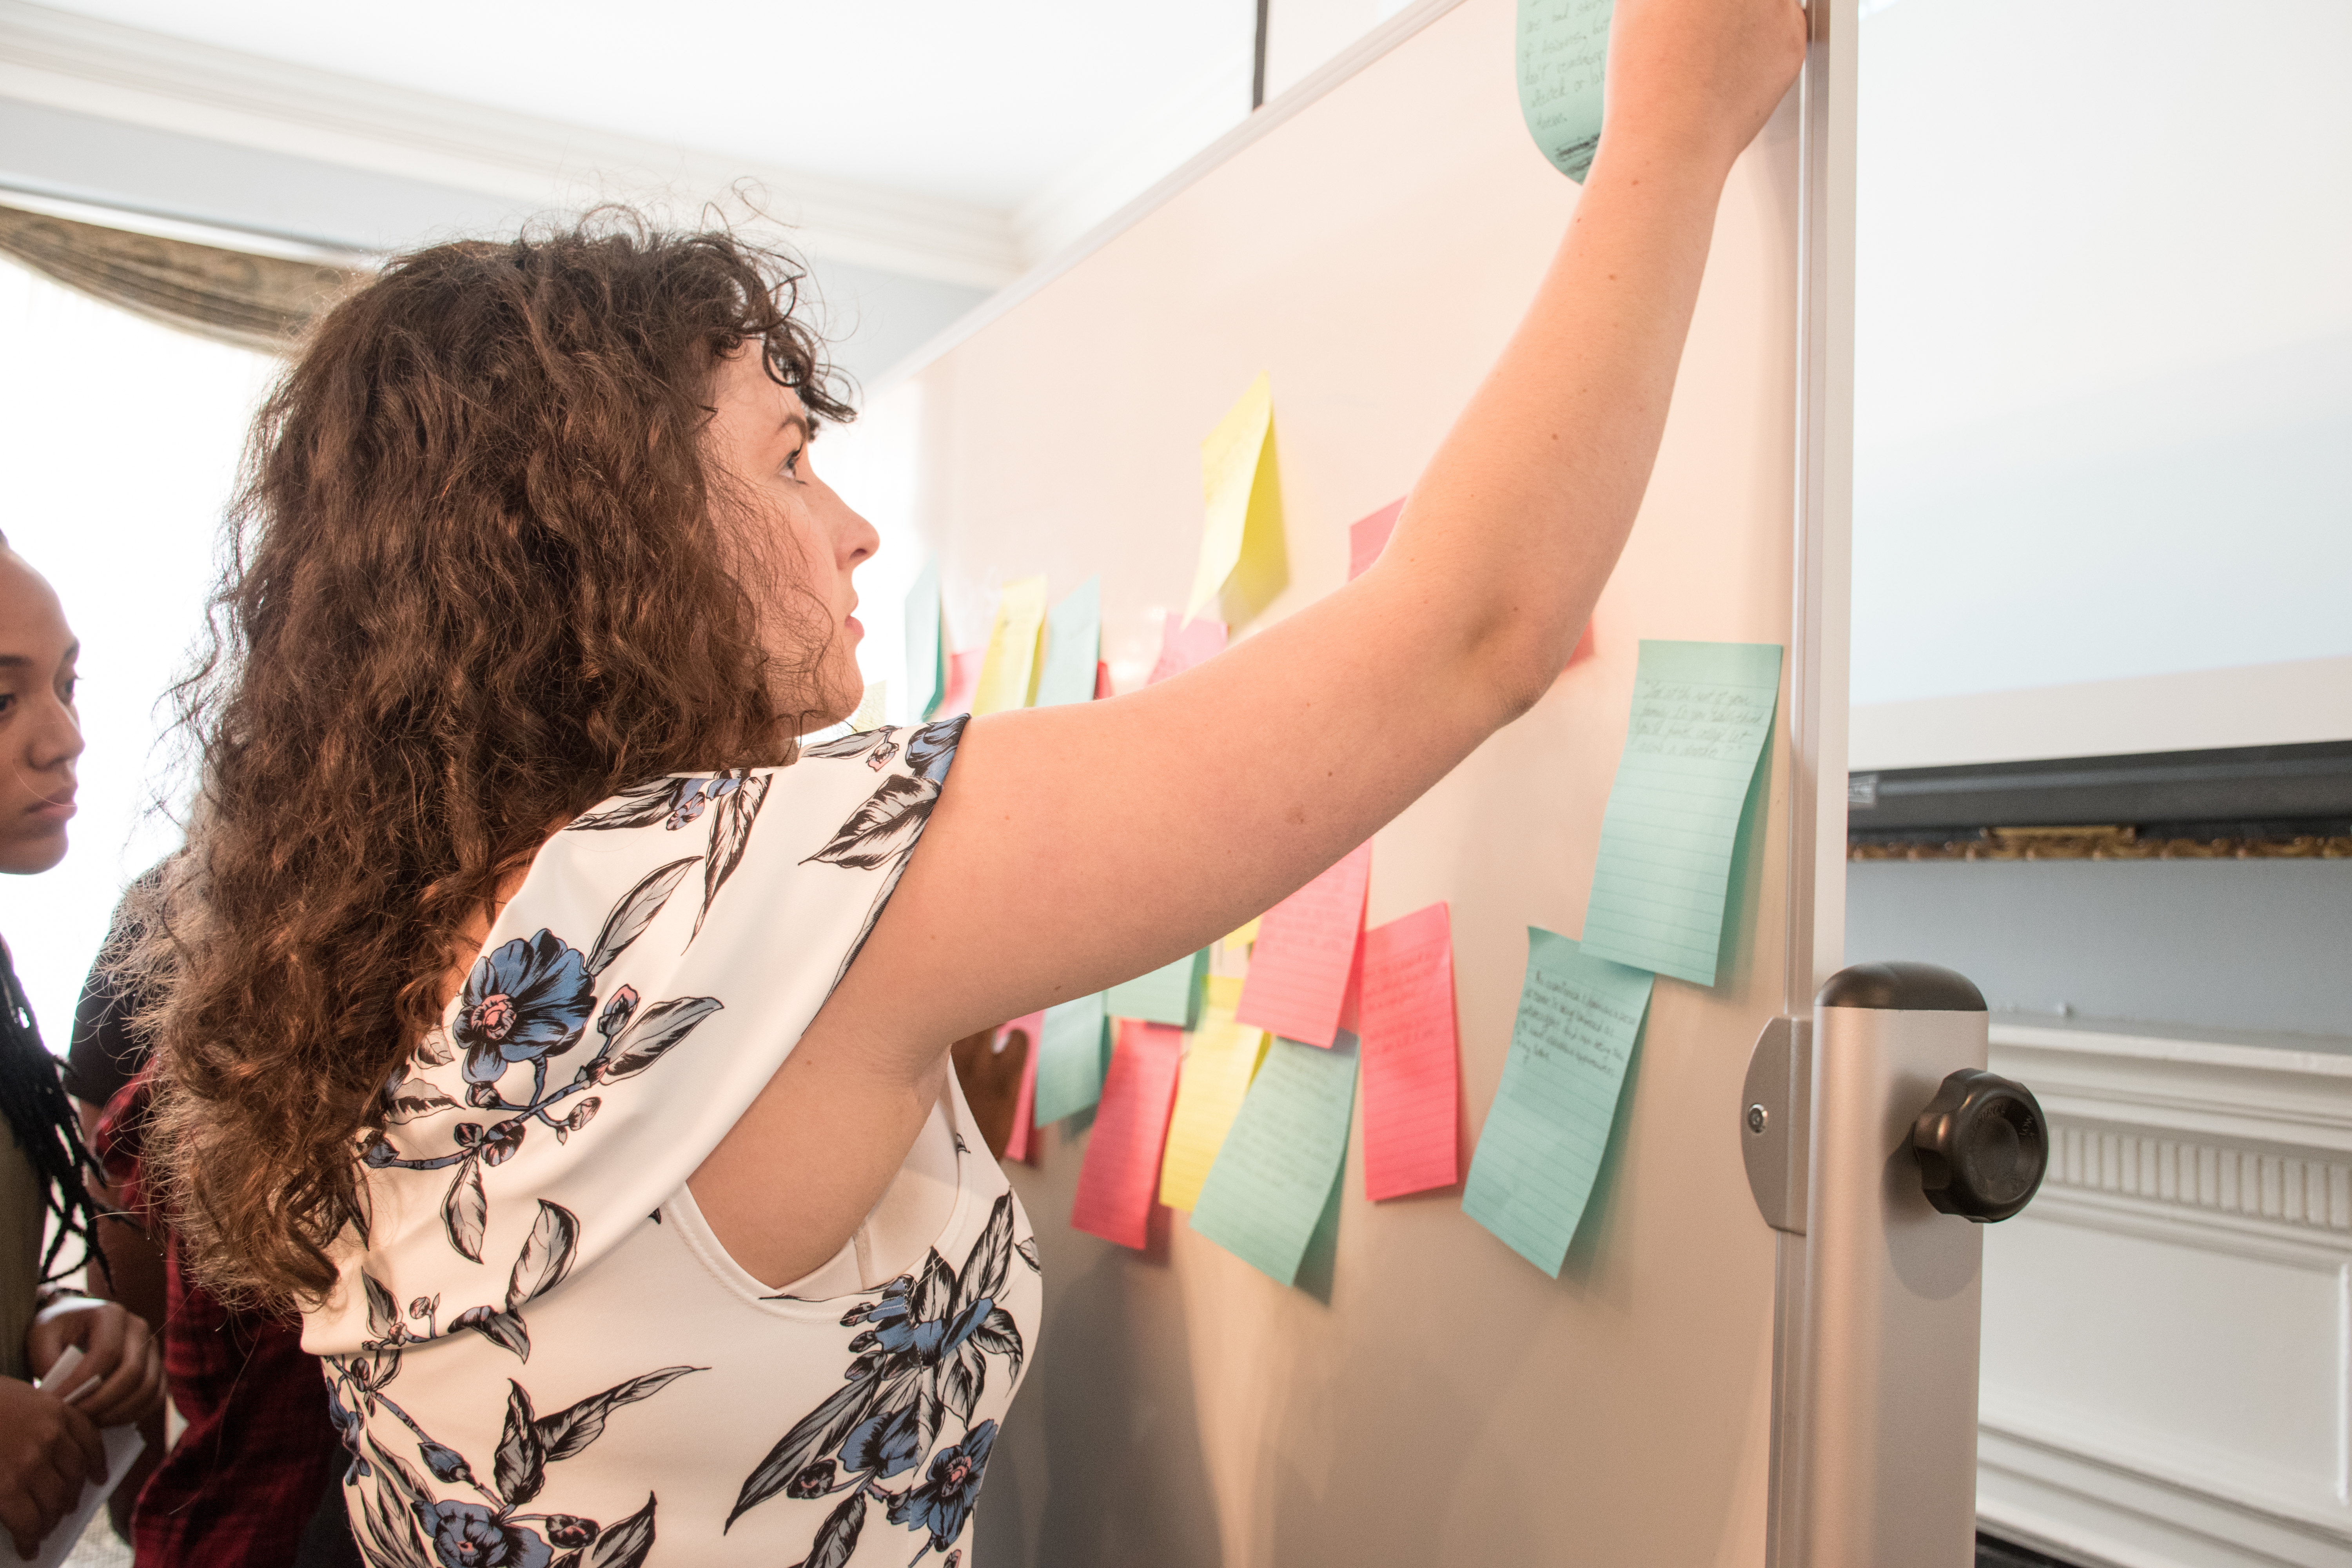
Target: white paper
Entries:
(123, 1446)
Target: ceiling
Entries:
(980, 104)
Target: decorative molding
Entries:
(2229, 1154)
(91, 67)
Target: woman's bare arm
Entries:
(1022, 891)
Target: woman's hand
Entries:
(119, 1351)
(1698, 79)
(47, 1449)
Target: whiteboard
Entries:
(1426, 1398)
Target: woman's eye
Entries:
(793, 463)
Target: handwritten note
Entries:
(1563, 51)
(927, 669)
(1072, 648)
(1242, 563)
(1410, 1068)
(1168, 995)
(1306, 954)
(1023, 1035)
(1541, 1147)
(1121, 1172)
(1367, 537)
(1183, 644)
(1702, 713)
(1219, 1057)
(1008, 671)
(1282, 1157)
(1074, 1045)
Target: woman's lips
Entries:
(54, 811)
(857, 628)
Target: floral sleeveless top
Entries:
(539, 1356)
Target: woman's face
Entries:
(40, 733)
(796, 542)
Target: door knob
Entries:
(1982, 1146)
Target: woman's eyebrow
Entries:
(791, 420)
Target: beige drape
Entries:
(260, 302)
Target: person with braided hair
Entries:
(49, 1444)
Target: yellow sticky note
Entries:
(1242, 561)
(1219, 1057)
(1008, 673)
(1244, 935)
(871, 708)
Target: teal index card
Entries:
(1541, 1147)
(927, 668)
(1562, 54)
(1282, 1156)
(1168, 995)
(1702, 714)
(1072, 1051)
(1072, 648)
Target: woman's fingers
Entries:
(121, 1393)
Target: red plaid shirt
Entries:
(239, 1487)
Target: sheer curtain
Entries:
(118, 446)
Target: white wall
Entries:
(2104, 363)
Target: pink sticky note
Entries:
(963, 680)
(1120, 1179)
(1367, 535)
(1183, 646)
(1102, 681)
(1411, 1075)
(1024, 1103)
(1306, 952)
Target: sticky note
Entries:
(1242, 562)
(1367, 536)
(1008, 669)
(1025, 1034)
(1183, 644)
(963, 680)
(1282, 1157)
(1168, 995)
(1702, 714)
(1072, 648)
(1219, 1057)
(1244, 934)
(1410, 1067)
(872, 709)
(1563, 50)
(1121, 1173)
(1074, 1045)
(1541, 1146)
(1102, 682)
(926, 670)
(1306, 954)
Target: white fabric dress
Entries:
(541, 1357)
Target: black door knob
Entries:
(1982, 1146)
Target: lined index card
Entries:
(1306, 953)
(1541, 1150)
(1702, 713)
(1121, 1178)
(1281, 1158)
(1411, 1070)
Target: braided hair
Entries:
(33, 1098)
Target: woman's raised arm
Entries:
(1076, 847)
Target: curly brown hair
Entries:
(472, 586)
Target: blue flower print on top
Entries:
(944, 1501)
(887, 1444)
(528, 1001)
(468, 1535)
(894, 1328)
(690, 797)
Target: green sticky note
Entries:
(1702, 714)
(1541, 1147)
(926, 671)
(1562, 56)
(1072, 648)
(1170, 995)
(1282, 1157)
(1072, 1051)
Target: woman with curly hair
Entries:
(570, 1043)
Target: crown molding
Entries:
(91, 67)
